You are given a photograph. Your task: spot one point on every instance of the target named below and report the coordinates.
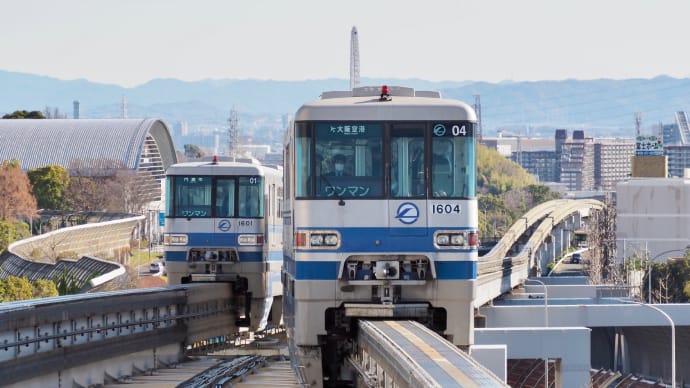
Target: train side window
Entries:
(225, 197)
(303, 160)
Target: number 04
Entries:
(458, 130)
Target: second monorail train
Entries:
(223, 223)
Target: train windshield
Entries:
(206, 196)
(377, 160)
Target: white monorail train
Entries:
(223, 223)
(380, 221)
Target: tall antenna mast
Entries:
(233, 133)
(354, 59)
(478, 111)
(638, 123)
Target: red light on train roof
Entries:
(385, 96)
(215, 159)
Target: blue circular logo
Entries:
(407, 213)
(224, 225)
(439, 129)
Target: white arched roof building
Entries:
(142, 145)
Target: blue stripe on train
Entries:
(328, 270)
(273, 256)
(217, 239)
(375, 240)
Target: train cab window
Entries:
(453, 165)
(225, 198)
(407, 163)
(348, 160)
(251, 197)
(442, 173)
(192, 196)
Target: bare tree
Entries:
(601, 243)
(53, 113)
(106, 185)
(16, 199)
(133, 191)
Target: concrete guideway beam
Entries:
(58, 336)
(573, 361)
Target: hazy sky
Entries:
(129, 42)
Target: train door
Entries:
(406, 206)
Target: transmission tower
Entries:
(354, 59)
(478, 111)
(233, 134)
(123, 113)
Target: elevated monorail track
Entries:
(408, 354)
(43, 338)
(509, 262)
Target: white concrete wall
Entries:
(546, 342)
(653, 213)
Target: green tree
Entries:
(11, 231)
(505, 191)
(66, 284)
(16, 288)
(496, 174)
(43, 288)
(686, 290)
(49, 184)
(670, 281)
(193, 151)
(541, 194)
(22, 114)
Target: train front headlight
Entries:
(175, 239)
(457, 239)
(316, 240)
(250, 239)
(451, 239)
(442, 239)
(331, 239)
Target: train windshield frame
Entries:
(374, 160)
(204, 196)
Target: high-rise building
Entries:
(541, 164)
(577, 162)
(678, 157)
(612, 162)
(75, 105)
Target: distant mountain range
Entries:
(602, 107)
